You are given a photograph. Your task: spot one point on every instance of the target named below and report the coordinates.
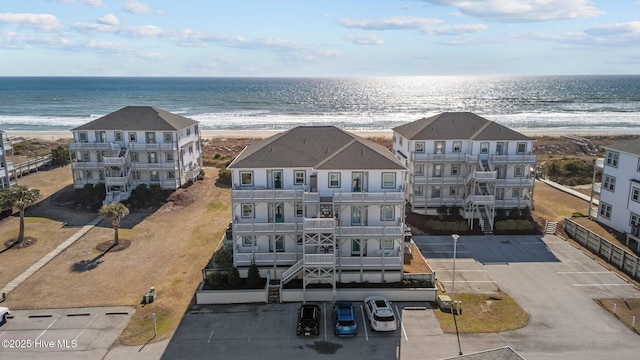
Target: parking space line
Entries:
(364, 322)
(401, 324)
(210, 336)
(583, 272)
(45, 330)
(467, 281)
(76, 338)
(460, 270)
(602, 285)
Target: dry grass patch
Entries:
(168, 251)
(625, 311)
(554, 205)
(484, 313)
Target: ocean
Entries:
(546, 103)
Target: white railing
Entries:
(484, 175)
(370, 262)
(369, 230)
(114, 161)
(482, 199)
(319, 224)
(156, 146)
(596, 188)
(369, 197)
(520, 181)
(319, 259)
(599, 163)
(93, 146)
(266, 194)
(514, 158)
(442, 180)
(86, 165)
(267, 227)
(453, 157)
(311, 197)
(261, 259)
(115, 180)
(154, 166)
(291, 272)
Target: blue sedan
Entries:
(344, 319)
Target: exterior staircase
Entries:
(274, 291)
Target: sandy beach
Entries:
(260, 134)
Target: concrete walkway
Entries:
(49, 256)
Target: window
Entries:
(299, 209)
(278, 241)
(453, 191)
(387, 244)
(437, 170)
(388, 180)
(118, 135)
(154, 176)
(605, 210)
(500, 194)
(418, 169)
(356, 178)
(188, 131)
(168, 137)
(88, 174)
(135, 175)
(634, 219)
(635, 194)
(134, 156)
(276, 177)
(171, 175)
(356, 215)
(195, 129)
(420, 147)
(436, 192)
(153, 158)
(82, 136)
(86, 157)
(518, 171)
(500, 148)
(501, 172)
(521, 148)
(439, 147)
(400, 141)
(247, 210)
(190, 149)
(609, 183)
(455, 169)
(168, 156)
(247, 240)
(418, 190)
(612, 158)
(457, 146)
(132, 137)
(150, 137)
(515, 193)
(246, 178)
(334, 180)
(484, 148)
(299, 177)
(101, 136)
(638, 169)
(356, 248)
(278, 209)
(387, 213)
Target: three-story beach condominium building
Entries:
(615, 201)
(319, 204)
(136, 145)
(461, 160)
(5, 165)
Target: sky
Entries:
(332, 38)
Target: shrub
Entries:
(216, 278)
(224, 176)
(223, 259)
(446, 225)
(514, 225)
(253, 277)
(60, 156)
(233, 277)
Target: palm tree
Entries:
(19, 197)
(114, 212)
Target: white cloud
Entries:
(391, 23)
(621, 29)
(109, 19)
(14, 40)
(136, 7)
(93, 3)
(523, 10)
(456, 29)
(127, 31)
(368, 39)
(45, 22)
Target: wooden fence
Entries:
(625, 261)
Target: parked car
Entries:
(308, 320)
(344, 319)
(4, 314)
(380, 313)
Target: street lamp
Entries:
(454, 309)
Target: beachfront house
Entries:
(615, 201)
(463, 162)
(5, 165)
(135, 145)
(320, 205)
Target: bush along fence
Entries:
(626, 261)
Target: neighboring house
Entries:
(135, 145)
(5, 166)
(318, 204)
(618, 205)
(461, 160)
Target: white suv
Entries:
(380, 313)
(4, 314)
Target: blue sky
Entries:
(319, 38)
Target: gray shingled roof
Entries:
(139, 118)
(457, 126)
(631, 147)
(320, 147)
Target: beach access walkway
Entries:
(48, 257)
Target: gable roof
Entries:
(320, 147)
(631, 146)
(457, 126)
(138, 118)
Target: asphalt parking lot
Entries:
(85, 333)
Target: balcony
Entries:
(266, 228)
(441, 180)
(266, 195)
(482, 176)
(319, 259)
(372, 231)
(369, 197)
(86, 165)
(103, 146)
(153, 147)
(114, 161)
(599, 163)
(116, 181)
(370, 262)
(264, 259)
(320, 225)
(515, 182)
(481, 199)
(514, 159)
(450, 157)
(154, 166)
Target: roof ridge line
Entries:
(481, 129)
(335, 153)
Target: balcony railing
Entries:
(320, 224)
(262, 259)
(481, 199)
(319, 259)
(519, 182)
(441, 180)
(155, 146)
(450, 157)
(114, 161)
(370, 262)
(369, 197)
(266, 194)
(372, 231)
(514, 158)
(599, 163)
(154, 166)
(276, 228)
(77, 145)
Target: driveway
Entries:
(554, 282)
